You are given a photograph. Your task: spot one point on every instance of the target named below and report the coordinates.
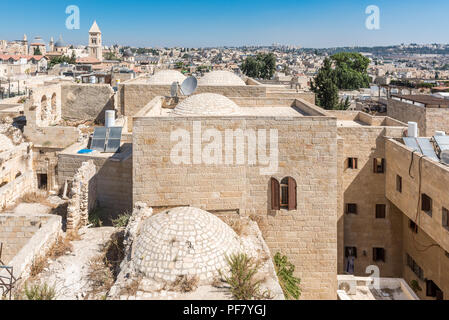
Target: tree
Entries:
(342, 71)
(37, 51)
(324, 86)
(262, 66)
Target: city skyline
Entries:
(205, 24)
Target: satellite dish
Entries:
(174, 89)
(189, 86)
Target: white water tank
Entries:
(413, 130)
(110, 118)
(440, 133)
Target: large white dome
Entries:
(166, 77)
(221, 78)
(206, 104)
(183, 241)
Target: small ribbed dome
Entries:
(206, 104)
(183, 241)
(167, 77)
(221, 78)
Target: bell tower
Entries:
(95, 42)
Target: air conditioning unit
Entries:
(445, 157)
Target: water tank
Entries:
(440, 133)
(413, 130)
(445, 157)
(110, 119)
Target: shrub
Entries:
(185, 284)
(289, 283)
(241, 278)
(122, 220)
(40, 292)
(95, 218)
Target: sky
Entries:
(200, 23)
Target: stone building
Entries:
(95, 42)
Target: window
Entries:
(351, 208)
(379, 254)
(284, 194)
(426, 204)
(381, 210)
(42, 181)
(353, 163)
(350, 252)
(379, 165)
(432, 290)
(399, 184)
(446, 219)
(417, 270)
(413, 226)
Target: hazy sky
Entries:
(195, 23)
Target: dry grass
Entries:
(131, 288)
(61, 247)
(239, 225)
(185, 284)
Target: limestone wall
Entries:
(83, 196)
(87, 101)
(406, 112)
(113, 180)
(433, 181)
(26, 238)
(307, 152)
(366, 189)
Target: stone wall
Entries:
(87, 101)
(26, 238)
(113, 180)
(433, 181)
(307, 153)
(83, 196)
(366, 189)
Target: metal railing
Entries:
(8, 280)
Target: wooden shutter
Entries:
(374, 254)
(375, 165)
(292, 194)
(275, 195)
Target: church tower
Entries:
(25, 44)
(95, 43)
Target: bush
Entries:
(40, 292)
(289, 283)
(95, 218)
(122, 221)
(242, 280)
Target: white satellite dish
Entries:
(189, 86)
(174, 89)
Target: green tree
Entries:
(37, 51)
(262, 66)
(324, 86)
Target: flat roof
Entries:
(428, 100)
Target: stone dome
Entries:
(60, 43)
(206, 104)
(183, 241)
(167, 77)
(221, 78)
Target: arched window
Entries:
(284, 194)
(53, 105)
(44, 108)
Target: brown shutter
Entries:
(275, 195)
(292, 194)
(375, 165)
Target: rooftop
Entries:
(426, 101)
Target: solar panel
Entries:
(442, 142)
(412, 144)
(113, 146)
(100, 133)
(98, 145)
(115, 133)
(427, 148)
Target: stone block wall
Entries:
(113, 180)
(16, 231)
(87, 101)
(307, 153)
(83, 196)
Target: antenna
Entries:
(174, 89)
(189, 86)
